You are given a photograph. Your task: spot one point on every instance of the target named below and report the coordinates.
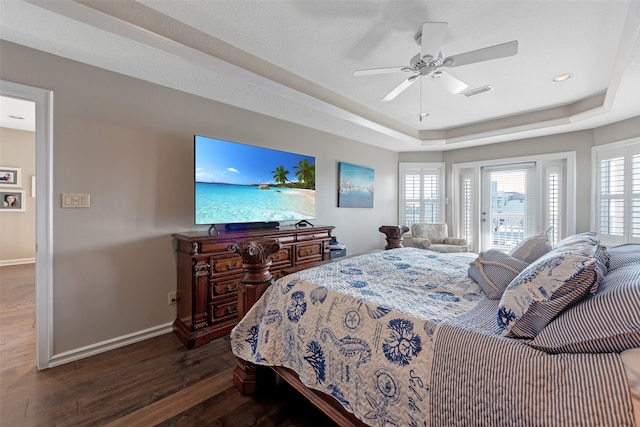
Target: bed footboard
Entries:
(255, 281)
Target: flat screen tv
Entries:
(243, 184)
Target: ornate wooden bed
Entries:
(361, 340)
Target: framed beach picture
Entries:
(9, 177)
(12, 200)
(355, 186)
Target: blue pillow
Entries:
(493, 270)
(546, 287)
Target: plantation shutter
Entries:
(421, 193)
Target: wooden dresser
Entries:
(208, 275)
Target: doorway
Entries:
(43, 100)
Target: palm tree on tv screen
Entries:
(306, 173)
(280, 175)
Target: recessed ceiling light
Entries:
(17, 117)
(562, 77)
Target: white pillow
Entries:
(533, 247)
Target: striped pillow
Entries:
(546, 287)
(622, 255)
(493, 270)
(609, 321)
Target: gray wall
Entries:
(129, 144)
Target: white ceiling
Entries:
(294, 60)
(17, 114)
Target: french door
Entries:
(497, 203)
(508, 210)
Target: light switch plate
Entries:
(76, 200)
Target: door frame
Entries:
(43, 99)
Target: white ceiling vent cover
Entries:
(478, 91)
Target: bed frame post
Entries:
(256, 260)
(394, 235)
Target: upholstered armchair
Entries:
(435, 237)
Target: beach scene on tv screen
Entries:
(237, 183)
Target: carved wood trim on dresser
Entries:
(208, 275)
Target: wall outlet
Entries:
(172, 298)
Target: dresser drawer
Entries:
(226, 265)
(224, 288)
(282, 256)
(221, 310)
(316, 235)
(309, 252)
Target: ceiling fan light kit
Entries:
(430, 60)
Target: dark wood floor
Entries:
(155, 382)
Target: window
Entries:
(616, 172)
(552, 199)
(467, 213)
(421, 193)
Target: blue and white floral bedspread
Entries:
(361, 329)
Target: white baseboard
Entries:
(112, 344)
(17, 261)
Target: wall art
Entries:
(355, 186)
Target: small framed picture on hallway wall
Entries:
(9, 177)
(12, 200)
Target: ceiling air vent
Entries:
(478, 90)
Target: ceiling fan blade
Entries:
(373, 71)
(432, 38)
(450, 83)
(400, 88)
(484, 54)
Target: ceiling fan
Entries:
(430, 60)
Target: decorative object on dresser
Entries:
(394, 235)
(208, 274)
(337, 249)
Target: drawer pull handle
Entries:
(230, 310)
(230, 288)
(232, 266)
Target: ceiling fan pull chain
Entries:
(420, 100)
